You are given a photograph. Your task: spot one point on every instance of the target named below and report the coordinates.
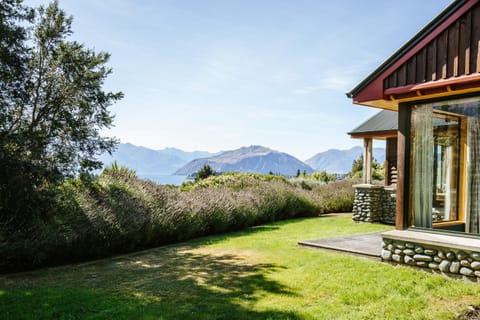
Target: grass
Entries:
(259, 273)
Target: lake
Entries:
(164, 178)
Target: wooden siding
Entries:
(391, 162)
(455, 52)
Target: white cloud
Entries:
(336, 80)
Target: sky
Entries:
(216, 75)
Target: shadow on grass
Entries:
(164, 283)
(212, 239)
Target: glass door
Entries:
(446, 149)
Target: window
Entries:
(445, 165)
(446, 152)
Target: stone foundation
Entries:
(442, 259)
(389, 204)
(374, 203)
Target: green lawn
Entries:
(256, 274)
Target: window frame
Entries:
(462, 192)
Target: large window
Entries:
(444, 166)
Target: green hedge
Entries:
(120, 213)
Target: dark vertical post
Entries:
(403, 166)
(386, 164)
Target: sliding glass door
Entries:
(444, 165)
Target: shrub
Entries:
(118, 212)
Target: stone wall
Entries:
(445, 260)
(374, 203)
(389, 203)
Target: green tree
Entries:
(205, 172)
(357, 168)
(378, 172)
(324, 176)
(53, 106)
(13, 53)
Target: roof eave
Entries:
(419, 36)
(377, 133)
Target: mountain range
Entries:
(249, 159)
(148, 161)
(246, 159)
(340, 161)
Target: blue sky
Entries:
(220, 74)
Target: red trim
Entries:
(418, 89)
(374, 90)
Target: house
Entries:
(433, 83)
(374, 202)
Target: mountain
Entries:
(149, 161)
(249, 159)
(340, 161)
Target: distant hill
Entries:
(340, 161)
(149, 161)
(249, 159)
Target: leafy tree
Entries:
(52, 105)
(13, 62)
(298, 173)
(324, 176)
(13, 53)
(205, 172)
(378, 172)
(357, 168)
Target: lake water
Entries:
(163, 178)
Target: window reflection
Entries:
(446, 147)
(445, 165)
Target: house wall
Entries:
(443, 259)
(391, 172)
(389, 202)
(373, 203)
(455, 52)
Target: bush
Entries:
(117, 212)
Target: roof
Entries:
(384, 122)
(444, 15)
(440, 61)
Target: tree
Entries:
(205, 172)
(378, 172)
(52, 106)
(357, 168)
(13, 53)
(324, 176)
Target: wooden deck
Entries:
(369, 244)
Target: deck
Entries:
(369, 244)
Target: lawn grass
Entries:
(260, 273)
